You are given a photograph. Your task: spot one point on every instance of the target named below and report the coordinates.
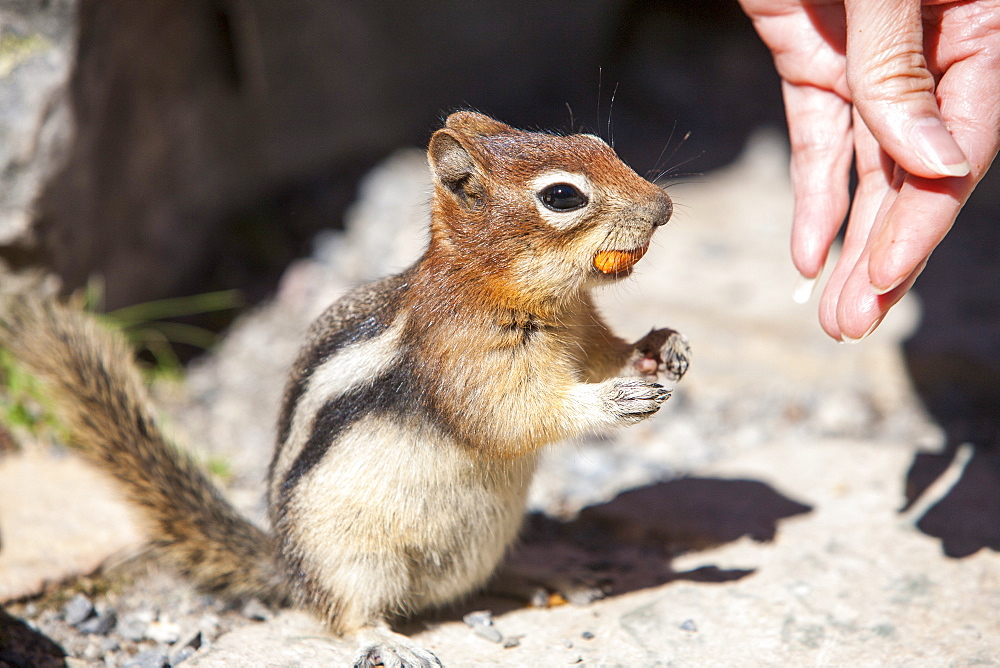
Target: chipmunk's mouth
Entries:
(616, 262)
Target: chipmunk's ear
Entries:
(475, 124)
(455, 169)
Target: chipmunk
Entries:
(413, 417)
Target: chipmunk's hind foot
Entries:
(382, 647)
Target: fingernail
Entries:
(881, 291)
(846, 339)
(937, 148)
(899, 281)
(804, 289)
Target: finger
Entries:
(860, 310)
(893, 89)
(849, 308)
(819, 127)
(872, 196)
(926, 210)
(919, 219)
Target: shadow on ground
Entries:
(23, 647)
(954, 362)
(967, 519)
(628, 543)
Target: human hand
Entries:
(910, 92)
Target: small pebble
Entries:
(689, 625)
(163, 632)
(101, 624)
(193, 640)
(99, 647)
(482, 623)
(539, 598)
(209, 626)
(185, 648)
(257, 611)
(587, 635)
(133, 626)
(77, 610)
(511, 642)
(182, 656)
(151, 658)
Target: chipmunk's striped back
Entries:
(338, 377)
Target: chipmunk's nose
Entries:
(662, 209)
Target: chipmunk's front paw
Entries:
(662, 351)
(633, 399)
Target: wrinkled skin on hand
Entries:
(910, 93)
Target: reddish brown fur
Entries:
(472, 247)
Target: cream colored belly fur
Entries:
(444, 523)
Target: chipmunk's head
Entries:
(541, 215)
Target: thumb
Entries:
(893, 89)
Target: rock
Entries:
(36, 56)
(77, 610)
(386, 228)
(208, 625)
(845, 414)
(185, 648)
(259, 136)
(182, 655)
(163, 631)
(257, 611)
(59, 518)
(100, 647)
(133, 626)
(193, 639)
(294, 635)
(101, 624)
(482, 623)
(150, 658)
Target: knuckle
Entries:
(893, 73)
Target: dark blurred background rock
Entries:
(206, 141)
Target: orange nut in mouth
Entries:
(617, 261)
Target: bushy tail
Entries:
(100, 398)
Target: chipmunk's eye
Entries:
(562, 197)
